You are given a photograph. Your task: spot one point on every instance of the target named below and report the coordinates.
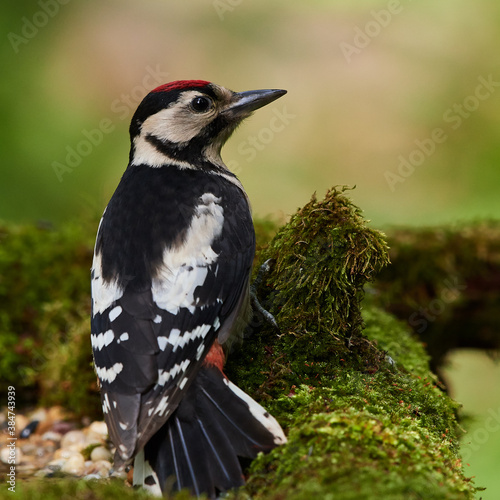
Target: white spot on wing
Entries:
(178, 340)
(162, 406)
(114, 313)
(109, 374)
(162, 342)
(157, 319)
(165, 375)
(124, 336)
(102, 340)
(199, 351)
(105, 404)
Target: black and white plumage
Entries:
(170, 284)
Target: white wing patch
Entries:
(114, 313)
(102, 340)
(109, 374)
(103, 294)
(181, 340)
(165, 375)
(162, 342)
(105, 405)
(185, 266)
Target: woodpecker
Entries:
(170, 287)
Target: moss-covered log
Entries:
(365, 416)
(445, 283)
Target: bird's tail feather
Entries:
(198, 447)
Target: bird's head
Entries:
(186, 122)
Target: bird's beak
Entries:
(244, 103)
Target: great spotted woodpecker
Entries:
(170, 285)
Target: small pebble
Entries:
(96, 432)
(66, 453)
(73, 438)
(89, 477)
(7, 454)
(56, 464)
(100, 453)
(74, 465)
(52, 436)
(102, 467)
(29, 429)
(62, 427)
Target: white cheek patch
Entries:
(178, 123)
(184, 266)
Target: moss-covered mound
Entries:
(365, 416)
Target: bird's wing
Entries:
(149, 343)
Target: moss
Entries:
(351, 454)
(445, 279)
(73, 489)
(351, 385)
(320, 261)
(365, 416)
(44, 315)
(322, 258)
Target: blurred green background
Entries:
(397, 97)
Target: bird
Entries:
(170, 283)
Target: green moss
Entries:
(44, 315)
(352, 454)
(351, 385)
(73, 489)
(445, 279)
(320, 261)
(366, 418)
(322, 258)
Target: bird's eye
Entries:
(201, 104)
